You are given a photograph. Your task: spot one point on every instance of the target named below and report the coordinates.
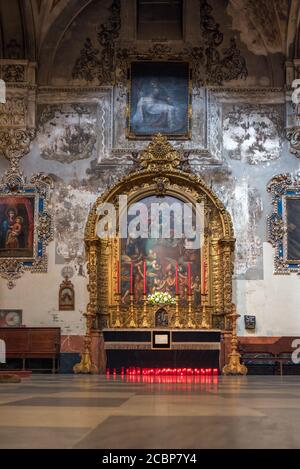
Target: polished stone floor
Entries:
(67, 411)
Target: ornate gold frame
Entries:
(282, 187)
(161, 173)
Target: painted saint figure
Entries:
(14, 233)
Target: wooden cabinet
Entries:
(32, 342)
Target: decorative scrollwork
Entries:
(11, 270)
(45, 230)
(161, 186)
(279, 184)
(276, 229)
(210, 65)
(93, 64)
(293, 135)
(15, 143)
(160, 155)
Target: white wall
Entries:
(37, 296)
(275, 301)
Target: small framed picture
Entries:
(11, 317)
(250, 322)
(66, 299)
(161, 339)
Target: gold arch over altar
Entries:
(161, 173)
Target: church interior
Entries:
(149, 224)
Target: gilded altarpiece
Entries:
(162, 172)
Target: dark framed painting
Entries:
(293, 229)
(159, 99)
(284, 223)
(250, 322)
(11, 317)
(17, 226)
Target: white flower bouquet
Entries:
(161, 298)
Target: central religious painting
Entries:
(159, 100)
(154, 262)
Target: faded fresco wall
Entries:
(238, 142)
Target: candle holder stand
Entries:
(190, 322)
(145, 321)
(132, 321)
(205, 319)
(234, 366)
(117, 322)
(177, 323)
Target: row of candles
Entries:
(136, 371)
(189, 278)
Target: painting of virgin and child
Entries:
(16, 226)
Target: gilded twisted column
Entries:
(228, 248)
(86, 365)
(216, 274)
(103, 279)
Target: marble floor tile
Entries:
(69, 402)
(40, 437)
(81, 411)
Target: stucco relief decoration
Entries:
(253, 134)
(245, 205)
(67, 133)
(283, 223)
(220, 64)
(97, 63)
(293, 130)
(211, 62)
(69, 224)
(15, 73)
(13, 113)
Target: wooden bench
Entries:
(32, 342)
(274, 347)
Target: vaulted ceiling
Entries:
(33, 29)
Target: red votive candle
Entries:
(145, 278)
(131, 278)
(189, 279)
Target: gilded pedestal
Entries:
(234, 366)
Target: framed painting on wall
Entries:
(66, 300)
(25, 224)
(284, 222)
(10, 317)
(17, 226)
(159, 98)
